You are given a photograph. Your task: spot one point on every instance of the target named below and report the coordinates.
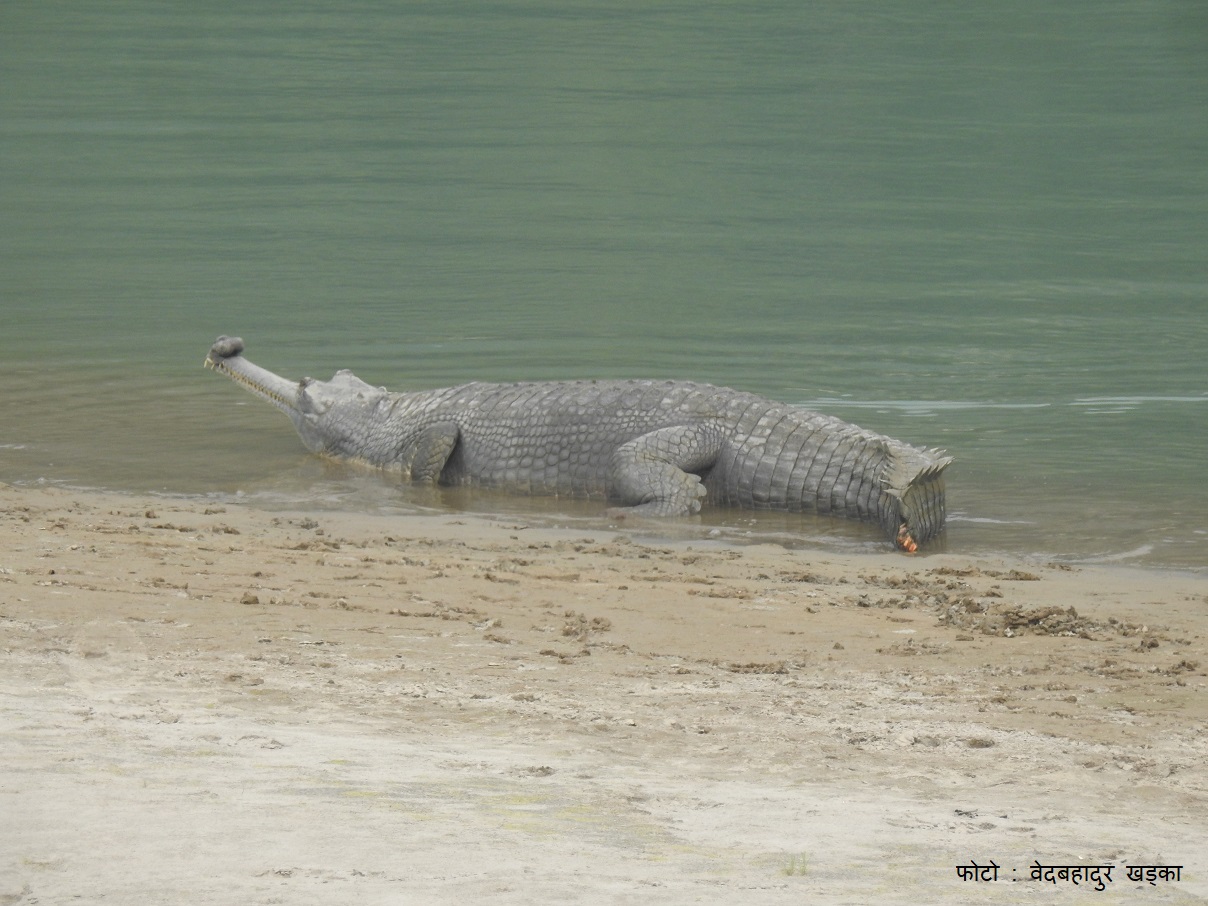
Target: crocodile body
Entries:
(654, 448)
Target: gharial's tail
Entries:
(913, 484)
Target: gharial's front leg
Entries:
(653, 475)
(426, 456)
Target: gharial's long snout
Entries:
(226, 356)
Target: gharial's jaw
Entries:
(328, 415)
(226, 357)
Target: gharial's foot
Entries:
(666, 491)
(657, 509)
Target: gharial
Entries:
(654, 448)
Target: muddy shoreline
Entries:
(209, 703)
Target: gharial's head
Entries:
(324, 413)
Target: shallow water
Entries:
(981, 228)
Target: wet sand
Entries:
(216, 704)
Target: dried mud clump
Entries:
(774, 667)
(1011, 575)
(1004, 619)
(580, 627)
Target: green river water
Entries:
(976, 226)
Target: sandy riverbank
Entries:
(219, 705)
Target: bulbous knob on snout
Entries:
(226, 347)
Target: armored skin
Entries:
(652, 448)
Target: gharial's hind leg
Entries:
(652, 475)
